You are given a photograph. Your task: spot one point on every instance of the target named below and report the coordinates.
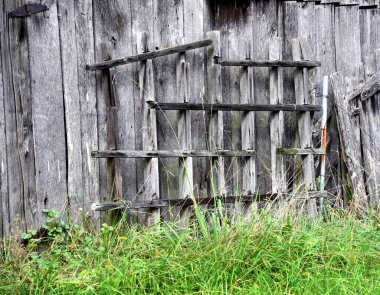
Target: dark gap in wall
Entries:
(223, 12)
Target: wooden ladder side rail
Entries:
(267, 63)
(171, 154)
(234, 107)
(205, 201)
(148, 55)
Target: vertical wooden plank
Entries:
(194, 30)
(184, 133)
(351, 145)
(303, 96)
(112, 27)
(265, 25)
(248, 125)
(142, 21)
(168, 31)
(87, 94)
(4, 207)
(149, 135)
(72, 109)
(276, 118)
(215, 124)
(48, 108)
(325, 51)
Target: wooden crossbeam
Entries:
(171, 154)
(204, 201)
(268, 63)
(299, 151)
(148, 55)
(367, 89)
(235, 107)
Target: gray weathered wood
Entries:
(248, 124)
(268, 63)
(300, 151)
(4, 197)
(303, 95)
(72, 103)
(277, 118)
(350, 139)
(367, 89)
(149, 55)
(226, 199)
(263, 28)
(48, 108)
(149, 134)
(194, 30)
(168, 31)
(215, 124)
(85, 51)
(171, 153)
(185, 178)
(244, 107)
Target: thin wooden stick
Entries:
(268, 63)
(149, 55)
(244, 107)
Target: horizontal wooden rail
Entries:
(170, 154)
(299, 151)
(202, 201)
(267, 63)
(367, 89)
(234, 107)
(148, 55)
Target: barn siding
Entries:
(53, 112)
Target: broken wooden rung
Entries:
(299, 151)
(267, 63)
(190, 201)
(148, 55)
(234, 107)
(171, 154)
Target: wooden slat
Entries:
(4, 197)
(303, 95)
(48, 109)
(244, 107)
(171, 153)
(300, 151)
(185, 177)
(229, 199)
(194, 19)
(350, 140)
(215, 124)
(247, 96)
(149, 134)
(268, 63)
(148, 55)
(367, 89)
(276, 118)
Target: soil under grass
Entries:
(266, 256)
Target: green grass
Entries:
(266, 256)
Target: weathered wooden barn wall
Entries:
(53, 112)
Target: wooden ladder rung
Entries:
(267, 63)
(148, 55)
(234, 107)
(299, 151)
(203, 201)
(171, 154)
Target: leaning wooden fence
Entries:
(215, 105)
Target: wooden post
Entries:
(215, 123)
(184, 134)
(304, 95)
(248, 128)
(149, 135)
(276, 118)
